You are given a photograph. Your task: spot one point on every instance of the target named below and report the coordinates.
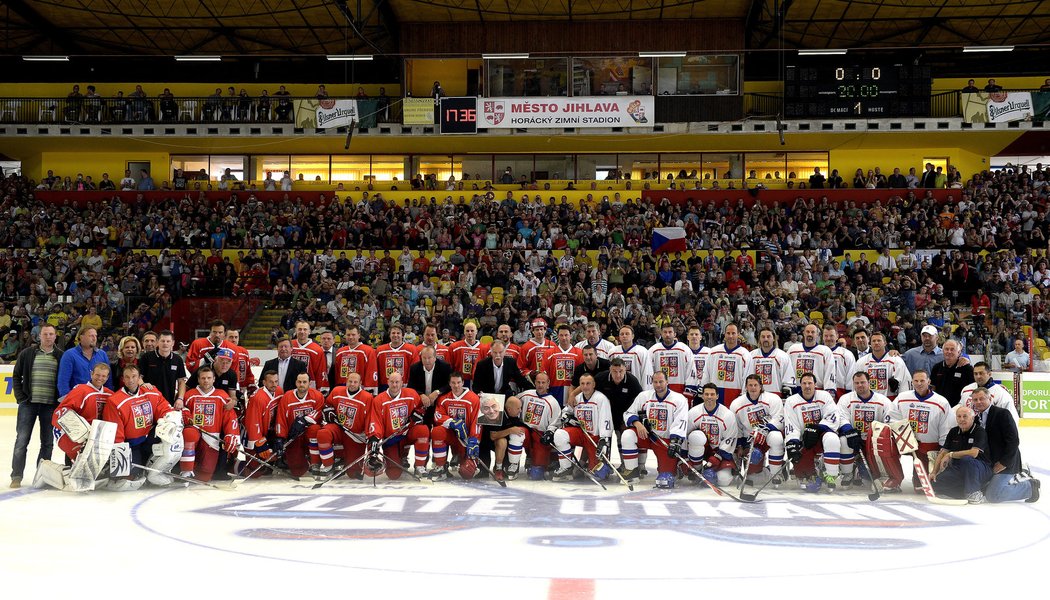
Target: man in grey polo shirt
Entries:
(35, 385)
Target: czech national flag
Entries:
(668, 239)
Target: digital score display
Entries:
(459, 114)
(837, 89)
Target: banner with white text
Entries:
(1003, 107)
(580, 112)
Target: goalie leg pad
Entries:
(93, 458)
(884, 455)
(120, 460)
(50, 474)
(165, 456)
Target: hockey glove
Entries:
(853, 439)
(794, 450)
(571, 420)
(547, 439)
(330, 415)
(603, 448)
(458, 427)
(674, 447)
(375, 460)
(231, 443)
(473, 450)
(894, 385)
(298, 427)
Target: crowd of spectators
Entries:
(64, 263)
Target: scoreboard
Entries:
(829, 88)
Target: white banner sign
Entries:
(591, 111)
(1017, 106)
(336, 113)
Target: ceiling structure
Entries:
(318, 27)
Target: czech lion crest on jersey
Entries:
(349, 365)
(919, 419)
(347, 415)
(143, 415)
(726, 370)
(803, 365)
(658, 417)
(764, 370)
(669, 366)
(533, 414)
(398, 417)
(204, 415)
(395, 364)
(863, 417)
(563, 368)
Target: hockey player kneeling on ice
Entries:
(813, 428)
(713, 434)
(210, 427)
(760, 414)
(659, 413)
(298, 413)
(929, 414)
(396, 420)
(456, 430)
(860, 408)
(540, 413)
(591, 417)
(135, 410)
(80, 407)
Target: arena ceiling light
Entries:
(509, 55)
(199, 58)
(349, 57)
(661, 55)
(988, 49)
(822, 52)
(45, 58)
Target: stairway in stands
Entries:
(256, 334)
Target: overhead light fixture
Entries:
(661, 55)
(988, 49)
(509, 55)
(822, 52)
(349, 57)
(46, 58)
(199, 58)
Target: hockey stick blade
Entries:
(927, 487)
(227, 488)
(485, 468)
(605, 459)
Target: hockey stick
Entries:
(718, 490)
(340, 473)
(605, 459)
(185, 479)
(246, 456)
(403, 469)
(875, 485)
(263, 463)
(575, 463)
(927, 487)
(485, 468)
(753, 497)
(747, 462)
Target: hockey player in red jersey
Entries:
(467, 353)
(346, 413)
(535, 348)
(311, 354)
(395, 357)
(456, 430)
(560, 363)
(242, 362)
(210, 428)
(136, 409)
(430, 340)
(202, 351)
(395, 420)
(355, 357)
(506, 335)
(297, 416)
(260, 418)
(86, 401)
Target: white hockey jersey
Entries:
(726, 368)
(699, 367)
(541, 413)
(719, 426)
(930, 416)
(1000, 397)
(774, 369)
(593, 413)
(843, 367)
(862, 412)
(604, 347)
(638, 362)
(676, 361)
(767, 409)
(667, 415)
(817, 360)
(881, 370)
(819, 410)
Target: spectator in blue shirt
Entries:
(145, 183)
(76, 364)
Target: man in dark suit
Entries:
(429, 377)
(287, 369)
(495, 375)
(1008, 482)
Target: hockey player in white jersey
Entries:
(727, 365)
(843, 361)
(810, 356)
(698, 351)
(860, 408)
(928, 413)
(656, 413)
(771, 365)
(673, 358)
(540, 412)
(593, 337)
(982, 377)
(813, 426)
(889, 375)
(592, 417)
(761, 414)
(634, 356)
(713, 434)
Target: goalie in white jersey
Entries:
(541, 414)
(928, 413)
(713, 434)
(591, 417)
(982, 378)
(810, 356)
(634, 356)
(656, 413)
(761, 415)
(771, 365)
(842, 362)
(889, 375)
(860, 408)
(674, 359)
(813, 426)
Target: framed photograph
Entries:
(491, 412)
